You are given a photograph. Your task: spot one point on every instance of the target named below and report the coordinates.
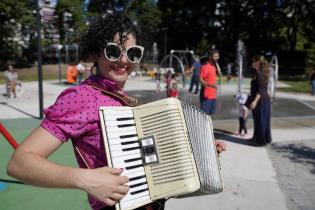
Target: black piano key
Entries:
(135, 166)
(136, 178)
(137, 185)
(126, 125)
(124, 118)
(133, 159)
(128, 136)
(129, 142)
(139, 191)
(131, 148)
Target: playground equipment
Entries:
(274, 69)
(176, 63)
(240, 54)
(14, 144)
(8, 136)
(72, 74)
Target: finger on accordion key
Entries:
(128, 172)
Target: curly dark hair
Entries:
(93, 41)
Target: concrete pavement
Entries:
(248, 172)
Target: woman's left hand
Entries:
(220, 146)
(253, 105)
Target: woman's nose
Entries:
(123, 58)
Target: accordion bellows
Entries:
(201, 137)
(187, 164)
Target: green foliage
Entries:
(15, 16)
(148, 18)
(287, 25)
(301, 86)
(76, 22)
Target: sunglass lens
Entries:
(112, 52)
(134, 54)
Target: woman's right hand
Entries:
(105, 184)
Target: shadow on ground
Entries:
(297, 153)
(227, 136)
(20, 110)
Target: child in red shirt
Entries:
(173, 89)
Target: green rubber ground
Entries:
(19, 196)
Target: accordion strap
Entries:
(126, 100)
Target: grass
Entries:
(50, 72)
(298, 86)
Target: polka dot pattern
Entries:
(75, 116)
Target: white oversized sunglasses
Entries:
(113, 52)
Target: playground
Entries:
(293, 115)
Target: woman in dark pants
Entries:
(261, 104)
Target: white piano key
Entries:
(137, 181)
(120, 135)
(122, 159)
(121, 131)
(118, 110)
(132, 171)
(130, 197)
(136, 175)
(111, 123)
(125, 165)
(128, 204)
(120, 147)
(135, 198)
(118, 116)
(121, 153)
(114, 141)
(135, 189)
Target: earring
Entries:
(94, 66)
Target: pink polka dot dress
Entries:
(75, 116)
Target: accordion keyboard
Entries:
(125, 152)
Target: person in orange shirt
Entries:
(208, 93)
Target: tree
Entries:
(147, 17)
(71, 19)
(17, 22)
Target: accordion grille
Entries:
(176, 162)
(202, 142)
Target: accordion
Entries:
(166, 148)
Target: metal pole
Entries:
(59, 62)
(165, 42)
(39, 62)
(76, 53)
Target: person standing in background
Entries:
(208, 80)
(243, 114)
(158, 80)
(195, 70)
(11, 78)
(81, 69)
(261, 101)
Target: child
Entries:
(158, 80)
(173, 89)
(168, 78)
(243, 114)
